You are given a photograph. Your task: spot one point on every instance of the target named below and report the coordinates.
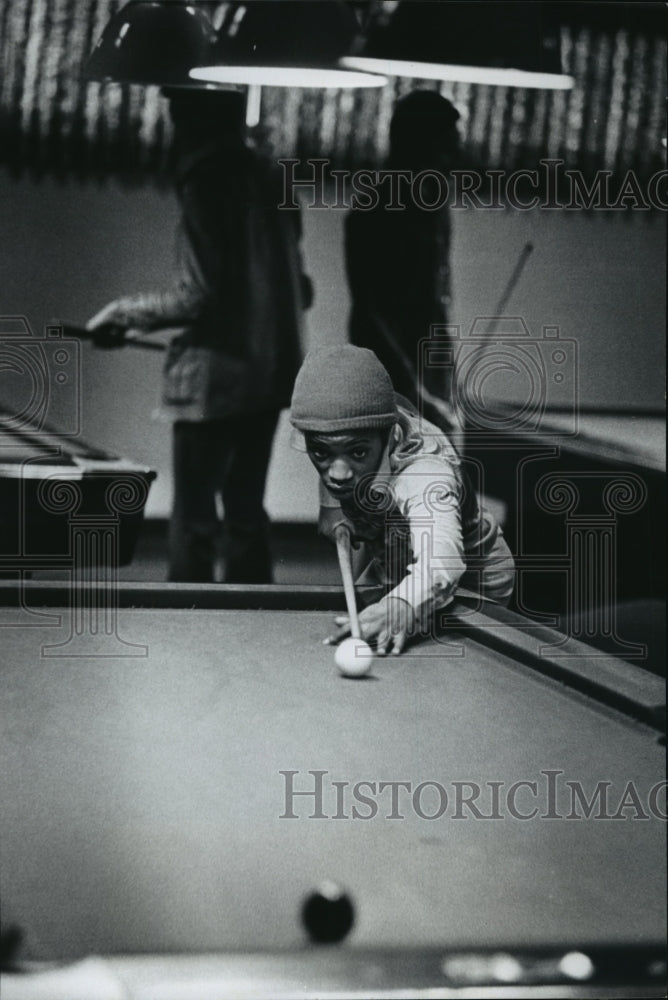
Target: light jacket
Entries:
(418, 528)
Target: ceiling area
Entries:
(55, 122)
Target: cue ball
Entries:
(328, 914)
(353, 657)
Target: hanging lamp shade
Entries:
(499, 44)
(152, 42)
(294, 43)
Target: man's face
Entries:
(343, 459)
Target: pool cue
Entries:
(342, 536)
(133, 338)
(440, 405)
(513, 279)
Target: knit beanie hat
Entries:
(341, 388)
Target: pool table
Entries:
(59, 494)
(153, 812)
(594, 475)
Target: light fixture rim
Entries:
(456, 73)
(269, 76)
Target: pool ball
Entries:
(353, 657)
(328, 914)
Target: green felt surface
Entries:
(142, 795)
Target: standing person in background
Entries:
(398, 259)
(240, 297)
